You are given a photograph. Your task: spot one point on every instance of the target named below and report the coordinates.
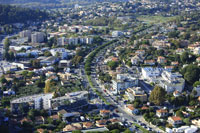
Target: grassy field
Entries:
(155, 19)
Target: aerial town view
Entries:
(100, 66)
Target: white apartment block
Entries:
(25, 33)
(149, 72)
(123, 82)
(46, 101)
(79, 40)
(61, 41)
(40, 101)
(117, 33)
(37, 37)
(62, 51)
(172, 82)
(169, 81)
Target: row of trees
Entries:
(90, 58)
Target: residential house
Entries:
(161, 44)
(190, 108)
(64, 63)
(196, 122)
(88, 125)
(169, 68)
(175, 120)
(39, 120)
(198, 59)
(161, 113)
(48, 60)
(64, 114)
(161, 60)
(25, 120)
(8, 92)
(114, 121)
(136, 59)
(180, 51)
(55, 117)
(149, 62)
(140, 52)
(176, 93)
(197, 51)
(105, 113)
(72, 127)
(101, 123)
(174, 63)
(131, 109)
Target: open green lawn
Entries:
(155, 19)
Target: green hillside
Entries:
(12, 14)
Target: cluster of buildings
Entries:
(74, 40)
(170, 81)
(122, 82)
(48, 102)
(36, 37)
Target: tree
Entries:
(47, 53)
(191, 73)
(173, 34)
(113, 64)
(157, 96)
(6, 44)
(47, 86)
(76, 131)
(197, 83)
(133, 37)
(35, 63)
(32, 114)
(115, 131)
(30, 74)
(184, 57)
(186, 36)
(127, 131)
(187, 121)
(25, 73)
(136, 103)
(3, 79)
(179, 113)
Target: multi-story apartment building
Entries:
(40, 101)
(123, 82)
(47, 102)
(37, 37)
(136, 93)
(168, 80)
(25, 33)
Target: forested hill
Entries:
(28, 1)
(12, 14)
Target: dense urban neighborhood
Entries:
(127, 66)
